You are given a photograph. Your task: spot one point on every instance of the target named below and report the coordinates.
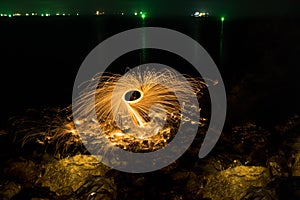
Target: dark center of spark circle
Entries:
(132, 95)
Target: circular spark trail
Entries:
(138, 111)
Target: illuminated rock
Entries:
(71, 173)
(233, 183)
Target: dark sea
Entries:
(259, 62)
(258, 59)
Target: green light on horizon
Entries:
(9, 15)
(143, 16)
(222, 19)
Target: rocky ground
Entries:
(249, 162)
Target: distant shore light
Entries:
(200, 14)
(143, 16)
(98, 12)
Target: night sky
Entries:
(233, 8)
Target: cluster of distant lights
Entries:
(36, 14)
(142, 14)
(204, 15)
(200, 14)
(97, 13)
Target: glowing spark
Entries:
(138, 111)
